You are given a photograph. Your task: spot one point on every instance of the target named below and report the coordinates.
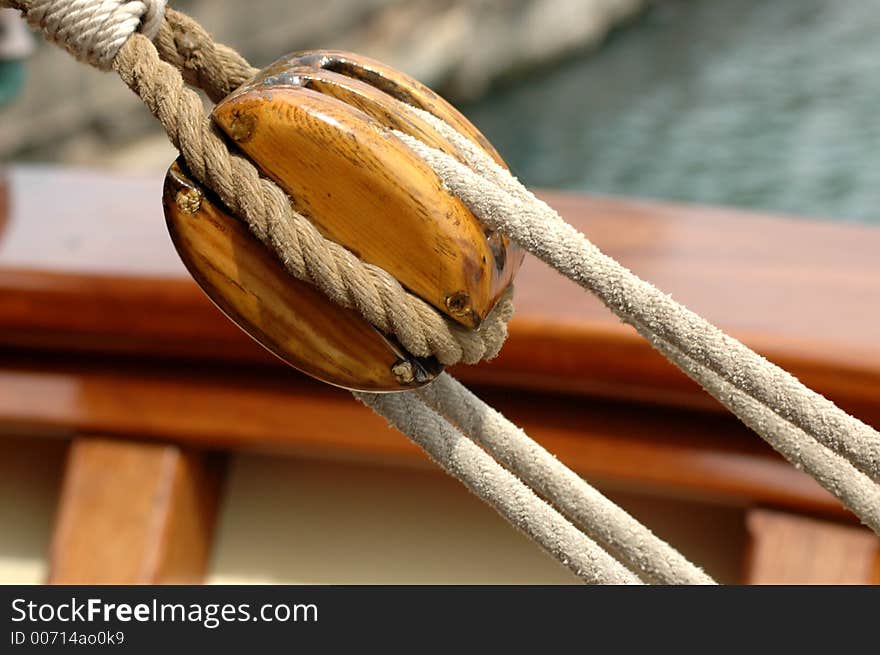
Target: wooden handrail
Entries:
(103, 332)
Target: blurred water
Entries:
(767, 105)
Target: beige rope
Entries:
(482, 475)
(619, 533)
(215, 68)
(753, 388)
(92, 30)
(423, 331)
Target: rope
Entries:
(306, 254)
(768, 399)
(482, 475)
(93, 31)
(619, 533)
(215, 68)
(444, 417)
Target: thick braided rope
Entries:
(304, 251)
(482, 475)
(93, 31)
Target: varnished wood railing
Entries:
(103, 334)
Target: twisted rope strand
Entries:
(213, 67)
(93, 31)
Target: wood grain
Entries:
(385, 108)
(790, 549)
(382, 77)
(290, 318)
(377, 104)
(90, 267)
(362, 187)
(134, 513)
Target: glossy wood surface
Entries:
(90, 267)
(382, 77)
(787, 549)
(389, 111)
(134, 513)
(290, 318)
(377, 104)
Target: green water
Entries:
(12, 78)
(771, 105)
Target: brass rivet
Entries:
(458, 303)
(189, 200)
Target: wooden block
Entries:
(791, 549)
(363, 187)
(134, 513)
(288, 317)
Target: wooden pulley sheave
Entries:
(321, 125)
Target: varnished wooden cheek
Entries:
(364, 188)
(321, 126)
(325, 138)
(385, 79)
(288, 317)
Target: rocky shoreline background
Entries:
(72, 114)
